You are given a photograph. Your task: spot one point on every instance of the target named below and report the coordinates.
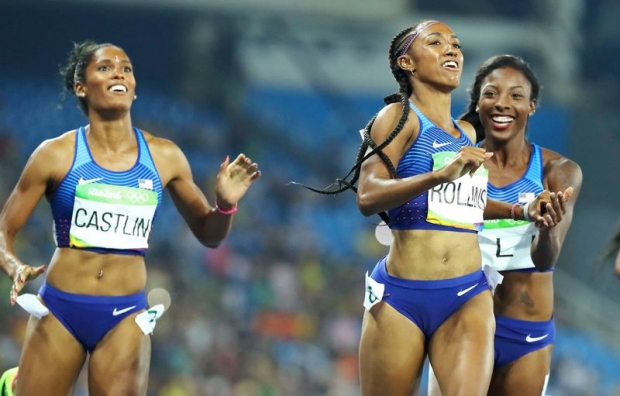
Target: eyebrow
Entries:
(454, 36)
(108, 60)
(495, 86)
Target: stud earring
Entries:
(135, 97)
(477, 109)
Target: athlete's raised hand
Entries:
(234, 179)
(547, 210)
(466, 161)
(23, 274)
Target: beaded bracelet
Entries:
(226, 212)
(513, 215)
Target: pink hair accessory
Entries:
(413, 35)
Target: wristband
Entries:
(226, 212)
(526, 208)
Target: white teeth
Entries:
(450, 64)
(502, 119)
(118, 88)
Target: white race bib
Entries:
(112, 217)
(461, 202)
(505, 244)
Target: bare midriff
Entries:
(525, 296)
(433, 255)
(83, 272)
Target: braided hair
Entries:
(75, 69)
(611, 248)
(487, 67)
(398, 46)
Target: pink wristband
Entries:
(226, 212)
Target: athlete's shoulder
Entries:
(468, 129)
(162, 149)
(562, 169)
(554, 159)
(56, 147)
(391, 115)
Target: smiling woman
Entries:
(504, 96)
(104, 182)
(420, 170)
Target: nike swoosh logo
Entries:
(529, 338)
(437, 145)
(466, 290)
(117, 312)
(83, 181)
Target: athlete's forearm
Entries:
(215, 229)
(545, 249)
(8, 261)
(502, 210)
(380, 195)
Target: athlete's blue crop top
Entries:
(139, 184)
(531, 181)
(418, 160)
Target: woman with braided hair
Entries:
(429, 295)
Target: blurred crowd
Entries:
(276, 310)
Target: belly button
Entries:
(100, 274)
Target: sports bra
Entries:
(105, 211)
(454, 206)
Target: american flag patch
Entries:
(526, 197)
(146, 184)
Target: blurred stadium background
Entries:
(277, 309)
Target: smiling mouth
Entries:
(502, 120)
(118, 89)
(451, 65)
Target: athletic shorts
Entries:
(427, 303)
(89, 318)
(515, 338)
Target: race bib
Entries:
(112, 217)
(374, 292)
(505, 244)
(461, 202)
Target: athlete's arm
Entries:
(560, 174)
(34, 181)
(209, 225)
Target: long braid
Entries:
(402, 96)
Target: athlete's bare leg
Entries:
(525, 376)
(51, 359)
(391, 353)
(461, 350)
(120, 363)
